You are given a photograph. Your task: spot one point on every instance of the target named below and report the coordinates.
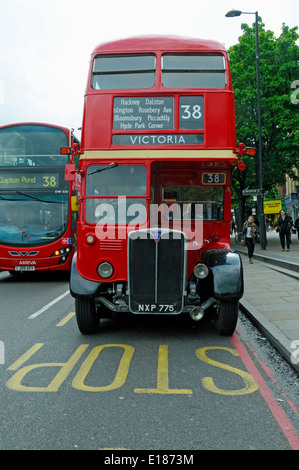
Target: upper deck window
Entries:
(32, 145)
(124, 71)
(193, 71)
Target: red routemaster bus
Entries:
(37, 227)
(158, 148)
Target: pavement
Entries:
(271, 293)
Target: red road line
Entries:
(278, 413)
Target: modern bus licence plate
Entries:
(24, 268)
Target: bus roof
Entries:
(162, 43)
(15, 124)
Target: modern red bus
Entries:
(37, 228)
(158, 147)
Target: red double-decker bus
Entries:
(158, 148)
(37, 226)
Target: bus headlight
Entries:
(62, 251)
(63, 254)
(201, 271)
(90, 239)
(105, 270)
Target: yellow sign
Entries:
(272, 207)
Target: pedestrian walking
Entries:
(249, 231)
(296, 225)
(284, 224)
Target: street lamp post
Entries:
(231, 14)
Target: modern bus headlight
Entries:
(201, 271)
(63, 254)
(105, 270)
(62, 251)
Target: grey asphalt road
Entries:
(147, 383)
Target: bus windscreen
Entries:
(32, 220)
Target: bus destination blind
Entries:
(157, 113)
(19, 180)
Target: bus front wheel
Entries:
(227, 318)
(87, 318)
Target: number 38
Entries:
(191, 112)
(49, 181)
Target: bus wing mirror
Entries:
(70, 170)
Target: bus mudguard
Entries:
(79, 286)
(226, 266)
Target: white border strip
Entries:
(36, 314)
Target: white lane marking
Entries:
(36, 314)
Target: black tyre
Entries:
(87, 318)
(227, 318)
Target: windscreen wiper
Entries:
(111, 165)
(8, 199)
(37, 198)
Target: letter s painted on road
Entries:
(208, 382)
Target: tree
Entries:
(279, 59)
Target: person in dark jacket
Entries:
(249, 231)
(284, 224)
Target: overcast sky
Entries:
(45, 45)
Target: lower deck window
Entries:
(120, 210)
